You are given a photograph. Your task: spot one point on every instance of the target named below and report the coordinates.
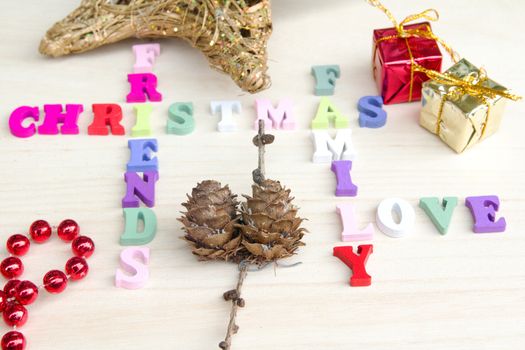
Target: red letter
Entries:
(106, 114)
(356, 263)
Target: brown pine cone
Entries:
(271, 228)
(210, 221)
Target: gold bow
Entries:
(429, 15)
(470, 85)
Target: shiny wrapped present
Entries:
(395, 52)
(462, 106)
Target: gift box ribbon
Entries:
(471, 85)
(404, 33)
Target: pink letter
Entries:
(143, 86)
(18, 116)
(350, 231)
(145, 55)
(137, 271)
(54, 115)
(281, 117)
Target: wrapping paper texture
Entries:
(392, 63)
(462, 118)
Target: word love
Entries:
(483, 209)
(395, 217)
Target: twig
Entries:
(235, 296)
(260, 141)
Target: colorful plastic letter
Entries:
(385, 217)
(143, 87)
(54, 115)
(142, 125)
(180, 119)
(17, 118)
(439, 214)
(106, 114)
(145, 55)
(276, 118)
(141, 155)
(134, 261)
(345, 186)
(483, 210)
(371, 112)
(132, 218)
(140, 188)
(350, 231)
(325, 77)
(326, 112)
(328, 149)
(357, 263)
(226, 109)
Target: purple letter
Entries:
(483, 209)
(137, 188)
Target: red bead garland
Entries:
(10, 287)
(15, 315)
(26, 292)
(83, 247)
(18, 245)
(55, 281)
(18, 293)
(68, 230)
(13, 341)
(11, 267)
(40, 231)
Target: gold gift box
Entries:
(460, 119)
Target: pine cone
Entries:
(210, 221)
(271, 228)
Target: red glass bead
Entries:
(77, 268)
(3, 300)
(18, 244)
(26, 292)
(10, 287)
(15, 315)
(68, 230)
(11, 267)
(40, 231)
(13, 340)
(55, 281)
(83, 247)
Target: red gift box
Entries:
(392, 61)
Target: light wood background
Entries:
(460, 291)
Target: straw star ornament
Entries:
(232, 34)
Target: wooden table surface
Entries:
(459, 291)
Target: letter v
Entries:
(439, 214)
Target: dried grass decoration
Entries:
(260, 231)
(232, 34)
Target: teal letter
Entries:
(131, 235)
(439, 214)
(180, 118)
(325, 77)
